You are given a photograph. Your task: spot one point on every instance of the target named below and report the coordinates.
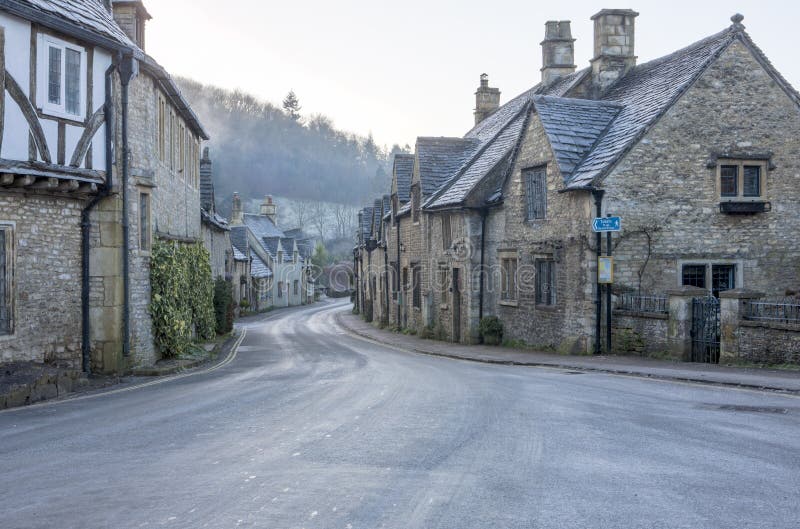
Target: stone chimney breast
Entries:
(131, 16)
(614, 39)
(487, 100)
(237, 218)
(269, 209)
(558, 51)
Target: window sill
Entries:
(546, 308)
(444, 306)
(71, 119)
(744, 206)
(509, 303)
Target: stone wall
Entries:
(767, 343)
(639, 333)
(666, 187)
(218, 244)
(47, 278)
(563, 236)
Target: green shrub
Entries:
(182, 296)
(223, 306)
(491, 329)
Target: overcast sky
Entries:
(410, 68)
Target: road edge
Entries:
(612, 371)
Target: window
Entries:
(447, 233)
(280, 289)
(416, 270)
(162, 129)
(415, 202)
(61, 78)
(545, 282)
(722, 276)
(6, 281)
(694, 276)
(508, 279)
(741, 179)
(296, 287)
(144, 222)
(535, 193)
(443, 286)
(171, 141)
(182, 139)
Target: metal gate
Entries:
(705, 330)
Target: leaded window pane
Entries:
(545, 283)
(729, 181)
(694, 276)
(73, 81)
(535, 193)
(722, 278)
(54, 77)
(752, 181)
(144, 222)
(417, 292)
(4, 308)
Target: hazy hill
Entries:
(259, 149)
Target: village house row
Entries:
(100, 156)
(697, 152)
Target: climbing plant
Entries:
(182, 302)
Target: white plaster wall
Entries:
(17, 56)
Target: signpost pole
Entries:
(608, 298)
(598, 200)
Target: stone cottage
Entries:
(100, 154)
(214, 227)
(695, 151)
(286, 284)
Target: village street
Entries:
(310, 427)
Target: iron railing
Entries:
(780, 311)
(646, 304)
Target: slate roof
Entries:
(214, 219)
(261, 226)
(288, 248)
(259, 268)
(440, 158)
(239, 242)
(589, 137)
(496, 137)
(403, 171)
(645, 93)
(88, 15)
(573, 126)
(366, 224)
(271, 245)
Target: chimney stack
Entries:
(269, 209)
(487, 100)
(207, 183)
(613, 46)
(237, 218)
(131, 16)
(558, 51)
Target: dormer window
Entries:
(61, 78)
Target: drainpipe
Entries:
(86, 223)
(386, 281)
(128, 69)
(397, 272)
(484, 214)
(598, 201)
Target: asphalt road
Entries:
(309, 427)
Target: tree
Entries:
(320, 257)
(291, 105)
(301, 210)
(343, 215)
(320, 216)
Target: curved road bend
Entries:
(310, 427)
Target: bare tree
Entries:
(320, 218)
(302, 212)
(343, 215)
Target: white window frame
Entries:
(42, 80)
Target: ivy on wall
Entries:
(182, 303)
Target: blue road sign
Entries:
(604, 224)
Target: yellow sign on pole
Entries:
(605, 270)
